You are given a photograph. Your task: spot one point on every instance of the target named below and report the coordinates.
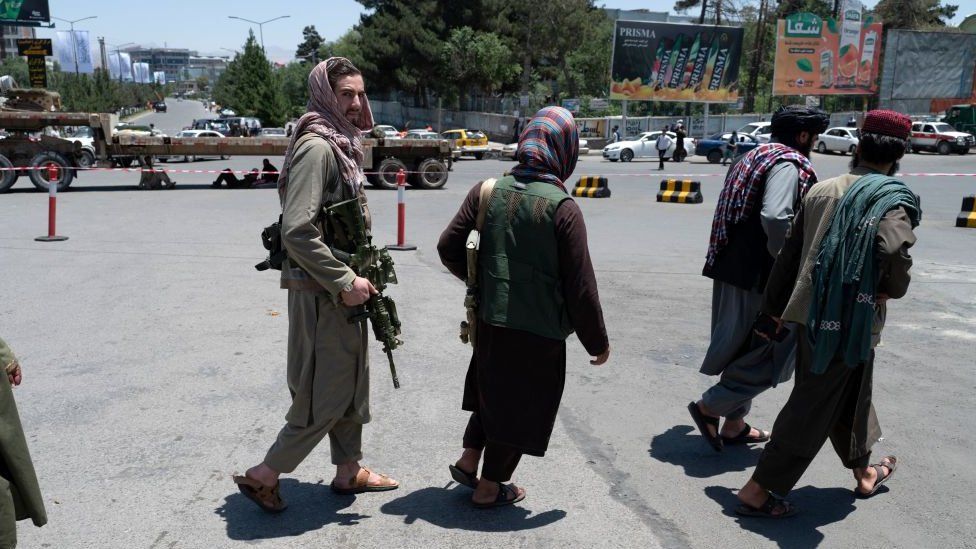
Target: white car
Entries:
(840, 139)
(200, 133)
(508, 151)
(760, 130)
(84, 136)
(644, 146)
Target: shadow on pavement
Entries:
(310, 507)
(452, 509)
(682, 445)
(817, 507)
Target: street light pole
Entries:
(74, 45)
(260, 25)
(118, 55)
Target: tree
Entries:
(914, 14)
(203, 82)
(477, 59)
(251, 88)
(311, 43)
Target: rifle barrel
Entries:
(396, 381)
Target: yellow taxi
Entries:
(468, 142)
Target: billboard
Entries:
(675, 62)
(159, 77)
(68, 48)
(928, 71)
(142, 73)
(816, 56)
(27, 13)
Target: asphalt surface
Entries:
(154, 362)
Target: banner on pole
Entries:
(69, 47)
(159, 77)
(816, 56)
(675, 62)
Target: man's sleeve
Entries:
(777, 206)
(578, 280)
(7, 357)
(782, 278)
(312, 166)
(451, 245)
(895, 237)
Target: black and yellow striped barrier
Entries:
(967, 217)
(683, 191)
(591, 186)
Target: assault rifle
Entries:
(372, 263)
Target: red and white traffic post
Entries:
(52, 206)
(401, 244)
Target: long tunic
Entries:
(20, 495)
(515, 379)
(789, 292)
(328, 369)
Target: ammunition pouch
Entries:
(271, 239)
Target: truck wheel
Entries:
(714, 156)
(944, 147)
(431, 174)
(44, 161)
(86, 159)
(387, 172)
(7, 177)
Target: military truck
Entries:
(426, 161)
(962, 118)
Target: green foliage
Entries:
(311, 43)
(251, 88)
(914, 14)
(478, 60)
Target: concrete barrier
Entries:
(591, 186)
(681, 191)
(967, 217)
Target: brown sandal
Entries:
(360, 484)
(266, 497)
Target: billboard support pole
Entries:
(705, 125)
(623, 115)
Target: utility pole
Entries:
(101, 47)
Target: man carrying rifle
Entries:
(328, 371)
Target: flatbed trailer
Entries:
(426, 161)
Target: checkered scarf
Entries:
(745, 183)
(548, 147)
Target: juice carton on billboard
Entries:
(816, 56)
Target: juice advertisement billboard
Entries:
(816, 56)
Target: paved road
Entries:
(154, 358)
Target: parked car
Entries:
(84, 136)
(838, 139)
(469, 142)
(385, 131)
(200, 133)
(273, 132)
(760, 130)
(215, 124)
(421, 134)
(159, 106)
(124, 128)
(939, 137)
(711, 148)
(643, 146)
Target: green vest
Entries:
(518, 260)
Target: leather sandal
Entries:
(267, 498)
(744, 438)
(507, 495)
(702, 421)
(359, 484)
(463, 477)
(766, 510)
(891, 462)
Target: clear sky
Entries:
(203, 25)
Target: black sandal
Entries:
(766, 509)
(507, 495)
(744, 438)
(463, 477)
(702, 421)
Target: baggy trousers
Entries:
(328, 378)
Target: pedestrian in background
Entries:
(752, 220)
(679, 142)
(730, 147)
(662, 145)
(615, 134)
(517, 371)
(20, 495)
(847, 254)
(328, 367)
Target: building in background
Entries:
(173, 61)
(9, 36)
(204, 65)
